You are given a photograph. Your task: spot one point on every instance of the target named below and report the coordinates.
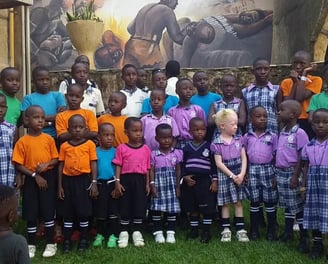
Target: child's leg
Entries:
(317, 244)
(31, 232)
(101, 225)
(289, 222)
(84, 228)
(240, 223)
(271, 213)
(67, 232)
(158, 227)
(171, 225)
(206, 224)
(194, 223)
(303, 244)
(225, 223)
(254, 219)
(113, 227)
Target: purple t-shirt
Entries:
(226, 150)
(149, 124)
(182, 116)
(316, 153)
(260, 150)
(289, 143)
(165, 160)
(132, 160)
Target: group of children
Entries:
(167, 161)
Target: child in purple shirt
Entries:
(150, 121)
(260, 145)
(164, 184)
(132, 162)
(288, 160)
(184, 111)
(315, 162)
(230, 158)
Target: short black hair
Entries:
(172, 68)
(128, 122)
(103, 125)
(119, 94)
(177, 85)
(227, 75)
(163, 126)
(194, 120)
(31, 109)
(76, 64)
(158, 90)
(197, 72)
(325, 110)
(70, 120)
(3, 96)
(74, 85)
(260, 59)
(252, 110)
(6, 192)
(5, 71)
(38, 69)
(126, 66)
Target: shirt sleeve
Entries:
(286, 86)
(146, 108)
(118, 159)
(93, 153)
(53, 148)
(304, 154)
(61, 125)
(26, 102)
(315, 85)
(215, 149)
(60, 99)
(19, 152)
(62, 152)
(175, 130)
(92, 121)
(301, 139)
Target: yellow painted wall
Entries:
(4, 43)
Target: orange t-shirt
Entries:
(118, 123)
(29, 151)
(77, 158)
(314, 86)
(62, 120)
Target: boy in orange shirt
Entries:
(74, 97)
(35, 156)
(300, 86)
(116, 102)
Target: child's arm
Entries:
(305, 165)
(152, 181)
(61, 194)
(219, 163)
(42, 167)
(240, 177)
(242, 116)
(93, 188)
(214, 184)
(40, 181)
(178, 176)
(147, 183)
(210, 119)
(294, 183)
(119, 189)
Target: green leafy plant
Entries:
(86, 12)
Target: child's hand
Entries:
(294, 75)
(42, 167)
(178, 191)
(41, 182)
(189, 180)
(114, 194)
(274, 183)
(93, 191)
(294, 182)
(147, 189)
(214, 186)
(238, 179)
(312, 67)
(19, 181)
(119, 189)
(61, 194)
(153, 190)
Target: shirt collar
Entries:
(130, 91)
(253, 86)
(160, 153)
(292, 130)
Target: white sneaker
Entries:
(296, 227)
(226, 235)
(242, 236)
(31, 250)
(138, 240)
(50, 250)
(159, 238)
(123, 239)
(170, 238)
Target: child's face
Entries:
(74, 97)
(116, 103)
(164, 138)
(10, 82)
(261, 71)
(77, 128)
(157, 101)
(42, 81)
(80, 73)
(259, 118)
(230, 125)
(228, 87)
(200, 81)
(198, 130)
(3, 108)
(134, 132)
(159, 80)
(36, 120)
(106, 137)
(141, 78)
(300, 62)
(320, 124)
(129, 77)
(284, 113)
(185, 90)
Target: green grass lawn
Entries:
(188, 252)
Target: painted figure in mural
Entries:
(142, 49)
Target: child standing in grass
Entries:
(315, 184)
(230, 158)
(288, 160)
(132, 162)
(164, 184)
(261, 145)
(199, 181)
(105, 207)
(35, 156)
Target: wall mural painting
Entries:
(198, 33)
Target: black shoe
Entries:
(83, 245)
(285, 237)
(303, 246)
(206, 237)
(67, 246)
(271, 236)
(316, 250)
(193, 234)
(254, 235)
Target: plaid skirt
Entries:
(165, 183)
(259, 185)
(228, 191)
(316, 204)
(288, 198)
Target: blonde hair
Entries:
(221, 116)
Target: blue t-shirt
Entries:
(105, 167)
(49, 102)
(171, 101)
(205, 101)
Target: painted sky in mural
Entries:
(198, 33)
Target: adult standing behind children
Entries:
(134, 95)
(51, 102)
(301, 86)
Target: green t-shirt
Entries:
(13, 111)
(318, 101)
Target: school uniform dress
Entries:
(165, 181)
(228, 191)
(316, 207)
(289, 143)
(260, 170)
